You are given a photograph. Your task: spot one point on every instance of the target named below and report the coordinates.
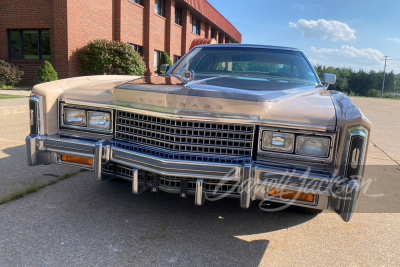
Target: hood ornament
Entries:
(188, 76)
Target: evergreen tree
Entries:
(46, 73)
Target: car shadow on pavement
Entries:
(15, 175)
(81, 221)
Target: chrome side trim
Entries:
(349, 199)
(351, 133)
(40, 112)
(210, 117)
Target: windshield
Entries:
(246, 63)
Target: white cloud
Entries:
(394, 39)
(348, 56)
(313, 62)
(328, 30)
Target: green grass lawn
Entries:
(367, 97)
(9, 97)
(5, 87)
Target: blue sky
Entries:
(350, 33)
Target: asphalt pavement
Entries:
(82, 222)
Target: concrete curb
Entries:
(25, 93)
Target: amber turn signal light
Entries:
(291, 195)
(76, 160)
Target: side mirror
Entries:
(329, 79)
(164, 68)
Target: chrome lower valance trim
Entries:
(252, 179)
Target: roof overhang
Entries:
(216, 18)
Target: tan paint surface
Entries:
(51, 91)
(309, 109)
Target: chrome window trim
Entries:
(293, 156)
(86, 128)
(206, 116)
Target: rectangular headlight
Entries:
(75, 117)
(313, 146)
(277, 141)
(99, 120)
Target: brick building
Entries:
(37, 30)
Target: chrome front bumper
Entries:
(254, 179)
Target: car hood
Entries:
(282, 101)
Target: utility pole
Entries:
(384, 74)
(394, 89)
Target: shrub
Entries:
(46, 73)
(10, 74)
(165, 59)
(352, 93)
(392, 95)
(101, 57)
(374, 93)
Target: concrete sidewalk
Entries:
(13, 106)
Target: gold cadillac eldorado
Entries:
(241, 121)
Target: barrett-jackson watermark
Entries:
(302, 182)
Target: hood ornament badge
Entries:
(188, 76)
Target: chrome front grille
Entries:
(184, 137)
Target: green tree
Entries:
(101, 56)
(46, 73)
(374, 93)
(358, 83)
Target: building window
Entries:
(29, 45)
(157, 59)
(196, 27)
(160, 7)
(221, 39)
(176, 58)
(213, 34)
(178, 16)
(140, 2)
(138, 49)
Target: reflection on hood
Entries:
(238, 88)
(294, 102)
